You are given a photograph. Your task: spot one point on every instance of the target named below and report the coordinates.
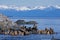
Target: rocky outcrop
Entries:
(14, 28)
(6, 22)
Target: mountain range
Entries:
(31, 12)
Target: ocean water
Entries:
(30, 37)
(42, 24)
(27, 37)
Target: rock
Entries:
(6, 22)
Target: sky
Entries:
(30, 2)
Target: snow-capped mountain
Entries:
(22, 8)
(31, 12)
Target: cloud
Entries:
(23, 8)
